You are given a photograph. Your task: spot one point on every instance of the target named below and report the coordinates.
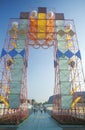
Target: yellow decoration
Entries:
(74, 90)
(11, 60)
(42, 23)
(4, 101)
(12, 32)
(69, 44)
(13, 44)
(41, 29)
(42, 16)
(41, 36)
(72, 59)
(14, 37)
(68, 37)
(75, 101)
(67, 29)
(41, 26)
(9, 67)
(15, 29)
(6, 89)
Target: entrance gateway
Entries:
(41, 28)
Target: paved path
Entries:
(39, 121)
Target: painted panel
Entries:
(65, 88)
(66, 102)
(14, 100)
(41, 26)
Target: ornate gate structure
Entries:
(41, 28)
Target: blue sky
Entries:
(41, 68)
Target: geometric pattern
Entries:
(66, 101)
(71, 33)
(65, 88)
(3, 53)
(13, 53)
(68, 53)
(14, 100)
(59, 54)
(78, 54)
(61, 33)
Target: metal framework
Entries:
(41, 28)
(69, 106)
(13, 77)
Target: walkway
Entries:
(39, 121)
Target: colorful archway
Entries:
(42, 28)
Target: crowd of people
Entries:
(41, 109)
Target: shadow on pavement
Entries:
(8, 128)
(74, 128)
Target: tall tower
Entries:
(13, 73)
(41, 28)
(69, 78)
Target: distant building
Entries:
(50, 100)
